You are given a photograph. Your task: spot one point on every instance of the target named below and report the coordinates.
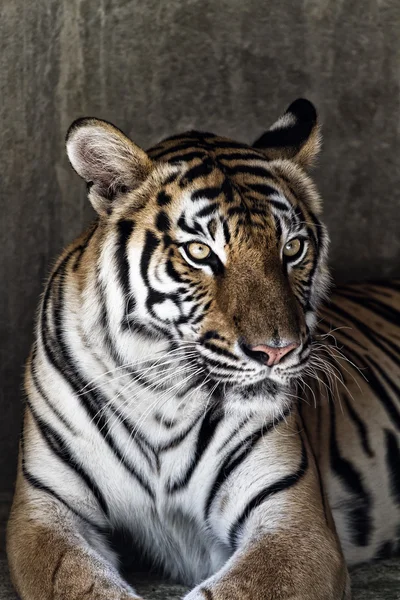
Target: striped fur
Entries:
(152, 428)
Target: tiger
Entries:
(195, 399)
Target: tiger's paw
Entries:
(244, 590)
(237, 591)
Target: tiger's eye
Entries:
(292, 248)
(198, 251)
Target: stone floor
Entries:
(380, 581)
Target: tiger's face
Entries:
(218, 246)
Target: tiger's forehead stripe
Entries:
(247, 178)
(209, 192)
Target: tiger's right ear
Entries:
(295, 136)
(107, 160)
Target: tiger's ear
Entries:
(295, 136)
(107, 160)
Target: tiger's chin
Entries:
(264, 398)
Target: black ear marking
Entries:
(303, 116)
(295, 136)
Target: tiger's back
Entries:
(354, 424)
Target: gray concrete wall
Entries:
(155, 67)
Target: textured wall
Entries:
(155, 67)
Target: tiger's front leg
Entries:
(291, 565)
(286, 547)
(54, 555)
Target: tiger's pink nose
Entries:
(273, 355)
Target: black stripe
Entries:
(39, 485)
(319, 233)
(44, 396)
(393, 463)
(201, 170)
(150, 246)
(150, 330)
(360, 520)
(163, 222)
(221, 351)
(390, 348)
(278, 205)
(182, 224)
(278, 228)
(223, 366)
(207, 210)
(239, 209)
(171, 178)
(210, 193)
(227, 233)
(233, 433)
(173, 273)
(211, 334)
(163, 199)
(279, 486)
(228, 189)
(205, 436)
(358, 422)
(323, 495)
(125, 228)
(230, 463)
(135, 435)
(173, 443)
(264, 190)
(384, 375)
(58, 446)
(46, 337)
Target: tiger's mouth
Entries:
(241, 370)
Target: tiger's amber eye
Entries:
(292, 248)
(198, 251)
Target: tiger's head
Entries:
(210, 244)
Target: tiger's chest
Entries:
(159, 482)
(157, 499)
(172, 538)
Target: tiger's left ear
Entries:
(295, 136)
(109, 162)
